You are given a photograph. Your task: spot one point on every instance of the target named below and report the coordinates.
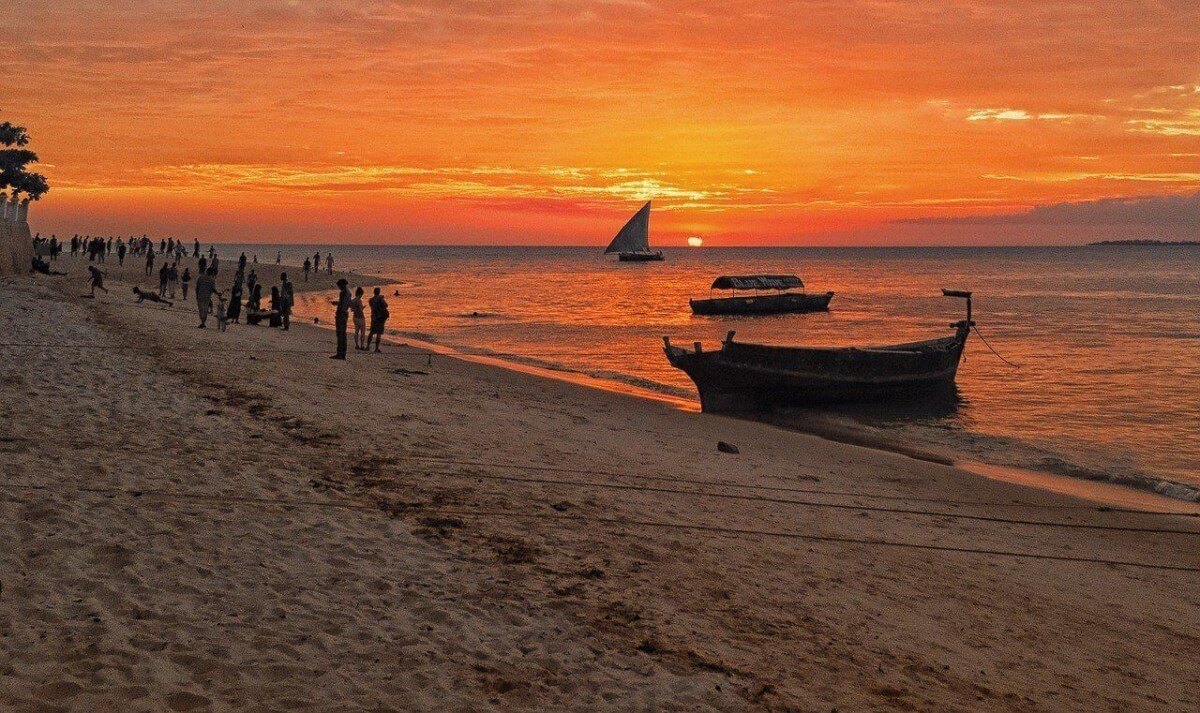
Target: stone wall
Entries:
(16, 247)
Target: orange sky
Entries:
(811, 122)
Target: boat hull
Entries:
(752, 377)
(640, 257)
(788, 303)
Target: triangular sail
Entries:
(635, 236)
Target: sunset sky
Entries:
(820, 122)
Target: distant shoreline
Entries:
(1145, 243)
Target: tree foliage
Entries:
(14, 163)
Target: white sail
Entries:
(635, 236)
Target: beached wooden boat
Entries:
(632, 243)
(755, 377)
(783, 302)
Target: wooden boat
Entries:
(782, 303)
(632, 243)
(756, 377)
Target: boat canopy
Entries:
(635, 236)
(757, 282)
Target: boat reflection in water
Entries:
(756, 377)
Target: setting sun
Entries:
(695, 241)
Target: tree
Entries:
(14, 162)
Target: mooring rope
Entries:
(989, 346)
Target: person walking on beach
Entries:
(287, 296)
(185, 281)
(316, 263)
(307, 267)
(150, 261)
(96, 279)
(173, 279)
(206, 285)
(329, 263)
(120, 254)
(196, 247)
(213, 264)
(242, 263)
(341, 318)
(252, 280)
(164, 276)
(278, 258)
(360, 320)
(379, 317)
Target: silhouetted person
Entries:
(120, 254)
(164, 276)
(149, 297)
(233, 313)
(307, 268)
(276, 307)
(185, 281)
(149, 262)
(206, 285)
(196, 248)
(360, 320)
(379, 317)
(96, 279)
(341, 318)
(40, 265)
(329, 263)
(287, 295)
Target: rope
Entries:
(629, 522)
(832, 506)
(804, 491)
(989, 346)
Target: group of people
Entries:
(345, 306)
(245, 296)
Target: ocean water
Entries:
(1106, 340)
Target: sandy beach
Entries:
(198, 520)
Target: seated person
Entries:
(40, 265)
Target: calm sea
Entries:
(1106, 340)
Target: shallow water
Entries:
(1107, 340)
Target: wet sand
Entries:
(199, 520)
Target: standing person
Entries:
(276, 307)
(149, 261)
(252, 280)
(185, 281)
(278, 258)
(96, 279)
(379, 317)
(307, 267)
(74, 245)
(120, 254)
(173, 279)
(214, 263)
(254, 306)
(360, 320)
(233, 312)
(316, 263)
(242, 262)
(341, 318)
(196, 247)
(164, 276)
(329, 263)
(287, 296)
(206, 285)
(54, 248)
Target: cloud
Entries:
(1174, 210)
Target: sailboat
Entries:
(632, 243)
